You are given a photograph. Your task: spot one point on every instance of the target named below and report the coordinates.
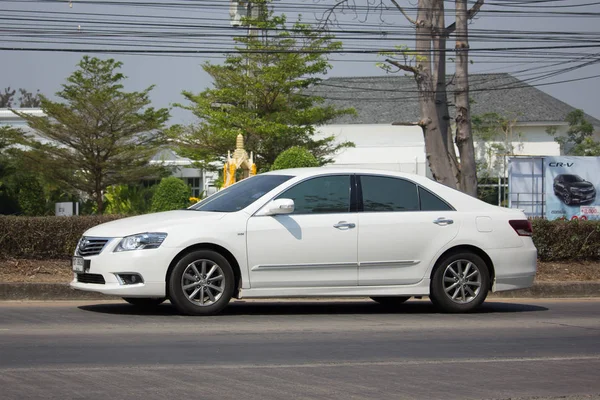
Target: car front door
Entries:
(315, 246)
(402, 227)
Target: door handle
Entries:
(443, 221)
(344, 224)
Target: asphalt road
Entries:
(300, 349)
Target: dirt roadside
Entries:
(59, 271)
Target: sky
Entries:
(553, 44)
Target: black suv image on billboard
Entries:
(573, 189)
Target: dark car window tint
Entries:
(327, 194)
(240, 195)
(388, 194)
(430, 202)
(572, 178)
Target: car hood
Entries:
(157, 222)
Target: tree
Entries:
(427, 63)
(171, 194)
(579, 140)
(26, 100)
(295, 157)
(258, 93)
(100, 135)
(6, 98)
(29, 100)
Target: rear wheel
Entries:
(460, 282)
(391, 301)
(201, 283)
(145, 302)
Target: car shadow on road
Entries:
(274, 307)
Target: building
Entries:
(384, 100)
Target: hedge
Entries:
(56, 237)
(567, 240)
(44, 237)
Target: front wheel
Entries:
(201, 283)
(460, 283)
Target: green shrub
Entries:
(567, 240)
(295, 157)
(128, 199)
(31, 197)
(171, 194)
(44, 237)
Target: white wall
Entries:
(396, 148)
(402, 148)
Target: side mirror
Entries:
(278, 207)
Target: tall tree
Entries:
(6, 98)
(579, 140)
(29, 100)
(427, 63)
(99, 135)
(258, 93)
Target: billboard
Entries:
(571, 187)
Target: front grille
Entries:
(91, 246)
(91, 278)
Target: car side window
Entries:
(381, 194)
(430, 202)
(325, 194)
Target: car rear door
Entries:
(402, 228)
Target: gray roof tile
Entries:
(393, 98)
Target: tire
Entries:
(391, 301)
(201, 283)
(567, 198)
(145, 302)
(460, 283)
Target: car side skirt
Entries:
(419, 289)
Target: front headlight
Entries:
(574, 189)
(149, 240)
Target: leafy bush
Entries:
(171, 194)
(44, 237)
(31, 197)
(295, 157)
(128, 199)
(567, 240)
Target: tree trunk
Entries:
(436, 145)
(464, 139)
(439, 77)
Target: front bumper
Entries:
(151, 265)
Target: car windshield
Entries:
(240, 195)
(573, 178)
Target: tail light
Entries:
(522, 227)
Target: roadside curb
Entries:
(62, 291)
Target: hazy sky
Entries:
(20, 20)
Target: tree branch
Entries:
(470, 15)
(411, 20)
(403, 67)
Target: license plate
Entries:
(78, 264)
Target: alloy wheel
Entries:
(203, 282)
(462, 281)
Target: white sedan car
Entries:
(313, 232)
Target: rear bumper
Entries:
(515, 268)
